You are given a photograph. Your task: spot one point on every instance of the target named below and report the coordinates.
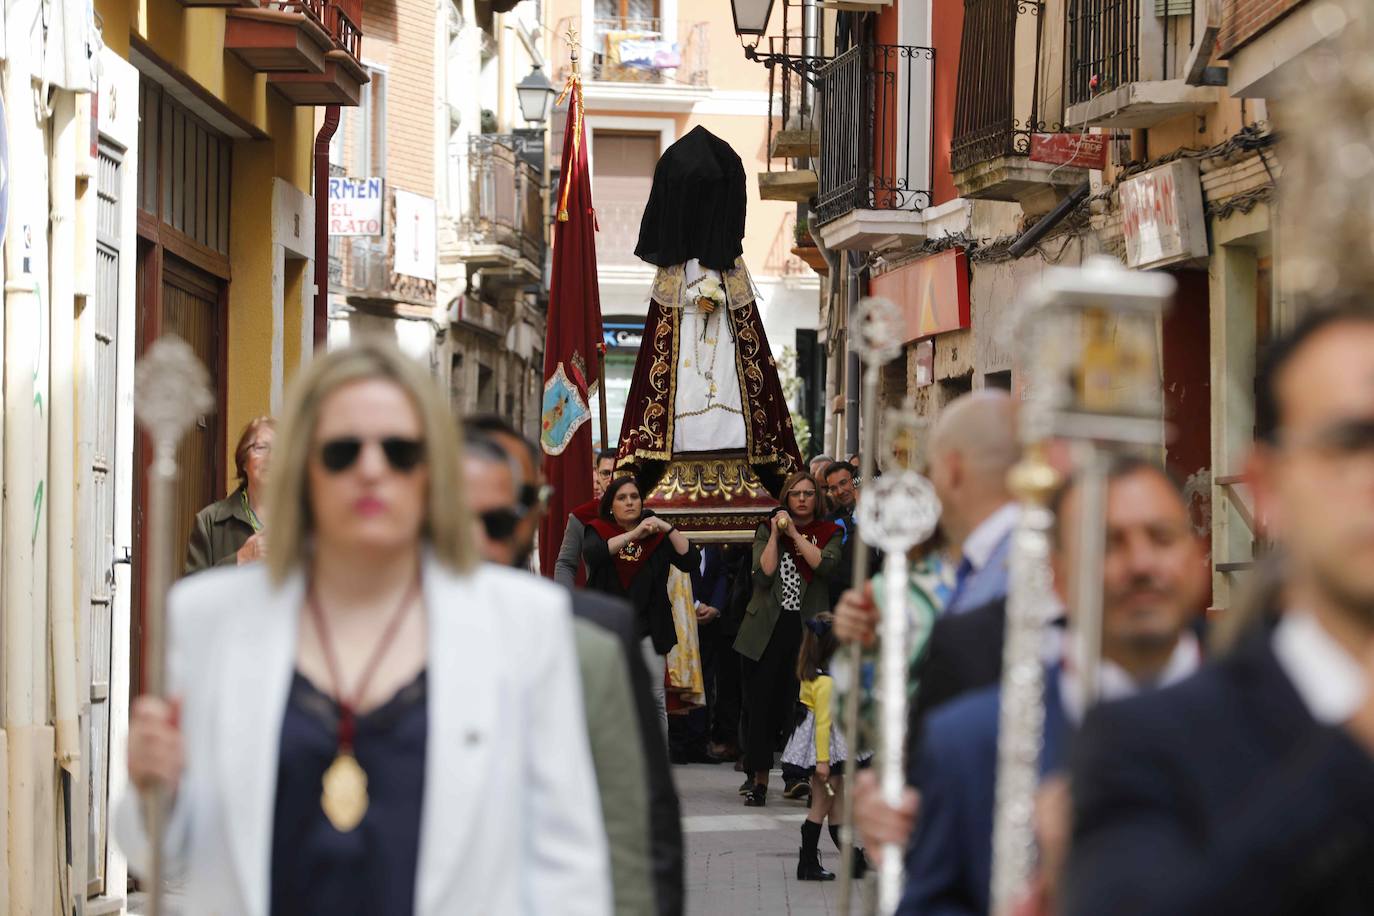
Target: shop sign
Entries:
(355, 206)
(932, 292)
(415, 236)
(622, 336)
(1082, 151)
(1162, 215)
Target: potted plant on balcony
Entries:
(805, 248)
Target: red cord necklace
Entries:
(344, 797)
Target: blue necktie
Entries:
(961, 577)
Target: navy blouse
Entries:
(369, 871)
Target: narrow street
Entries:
(744, 860)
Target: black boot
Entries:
(756, 797)
(860, 865)
(809, 856)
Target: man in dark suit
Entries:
(1250, 788)
(972, 448)
(688, 735)
(1154, 583)
(616, 617)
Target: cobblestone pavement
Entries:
(744, 860)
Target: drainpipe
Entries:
(853, 371)
(64, 570)
(811, 43)
(832, 277)
(321, 317)
(62, 433)
(1047, 222)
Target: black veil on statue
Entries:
(696, 207)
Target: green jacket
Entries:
(761, 616)
(219, 531)
(621, 775)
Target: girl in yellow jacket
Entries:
(818, 745)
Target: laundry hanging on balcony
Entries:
(648, 54)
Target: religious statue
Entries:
(707, 430)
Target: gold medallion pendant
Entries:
(344, 799)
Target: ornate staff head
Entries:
(877, 327)
(172, 389)
(1091, 369)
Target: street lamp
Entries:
(535, 93)
(751, 17)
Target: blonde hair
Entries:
(448, 525)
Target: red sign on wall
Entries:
(1083, 151)
(933, 293)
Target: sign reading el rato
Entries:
(355, 206)
(1162, 215)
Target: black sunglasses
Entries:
(500, 523)
(402, 454)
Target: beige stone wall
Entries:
(399, 37)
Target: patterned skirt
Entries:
(801, 747)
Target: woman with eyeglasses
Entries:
(795, 554)
(628, 550)
(361, 725)
(230, 532)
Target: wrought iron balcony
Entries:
(343, 76)
(1008, 91)
(503, 226)
(874, 104)
(649, 51)
(1127, 61)
(793, 118)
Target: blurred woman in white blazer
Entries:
(362, 725)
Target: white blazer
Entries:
(511, 820)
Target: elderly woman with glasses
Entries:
(230, 532)
(354, 727)
(628, 551)
(795, 554)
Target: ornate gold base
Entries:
(712, 496)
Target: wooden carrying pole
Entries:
(601, 391)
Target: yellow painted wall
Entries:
(192, 40)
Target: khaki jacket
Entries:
(219, 531)
(765, 607)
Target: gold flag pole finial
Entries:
(574, 81)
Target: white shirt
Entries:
(1331, 684)
(978, 547)
(1114, 683)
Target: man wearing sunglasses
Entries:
(496, 487)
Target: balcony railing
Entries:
(506, 202)
(793, 116)
(994, 115)
(870, 149)
(1116, 42)
(637, 50)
